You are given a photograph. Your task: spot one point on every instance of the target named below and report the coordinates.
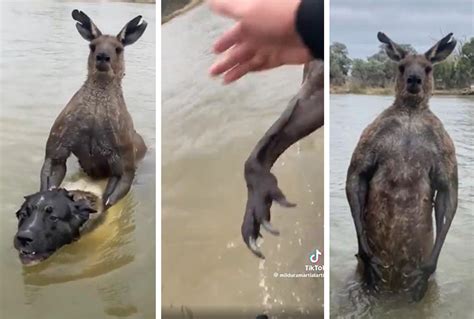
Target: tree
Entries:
(457, 71)
(340, 63)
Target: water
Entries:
(451, 294)
(208, 132)
(109, 273)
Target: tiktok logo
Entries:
(314, 257)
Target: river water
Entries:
(110, 272)
(208, 131)
(450, 294)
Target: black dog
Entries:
(50, 219)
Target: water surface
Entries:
(108, 273)
(450, 295)
(208, 132)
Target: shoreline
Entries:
(191, 5)
(341, 90)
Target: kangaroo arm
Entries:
(304, 115)
(123, 172)
(122, 187)
(299, 120)
(52, 173)
(359, 174)
(445, 208)
(54, 166)
(356, 191)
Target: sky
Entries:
(419, 23)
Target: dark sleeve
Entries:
(310, 26)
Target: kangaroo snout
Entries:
(102, 57)
(102, 62)
(413, 80)
(414, 83)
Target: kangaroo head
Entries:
(106, 51)
(414, 82)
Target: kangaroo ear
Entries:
(441, 50)
(132, 31)
(394, 51)
(87, 29)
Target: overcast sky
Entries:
(419, 23)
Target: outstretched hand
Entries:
(263, 37)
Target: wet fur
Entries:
(75, 207)
(408, 155)
(404, 165)
(95, 125)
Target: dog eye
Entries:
(48, 209)
(21, 214)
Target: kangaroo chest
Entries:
(99, 124)
(406, 152)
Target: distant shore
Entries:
(171, 9)
(348, 89)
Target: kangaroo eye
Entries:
(428, 69)
(401, 68)
(92, 47)
(119, 50)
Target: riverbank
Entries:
(354, 89)
(174, 8)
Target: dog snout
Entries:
(25, 237)
(102, 57)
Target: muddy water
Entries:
(450, 294)
(109, 273)
(208, 131)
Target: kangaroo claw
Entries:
(269, 228)
(262, 192)
(254, 248)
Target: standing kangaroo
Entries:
(95, 125)
(402, 167)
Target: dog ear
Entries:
(82, 209)
(80, 213)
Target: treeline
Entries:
(378, 71)
(170, 6)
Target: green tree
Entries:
(457, 72)
(340, 63)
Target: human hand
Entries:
(264, 37)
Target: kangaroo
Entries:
(303, 115)
(404, 165)
(95, 125)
